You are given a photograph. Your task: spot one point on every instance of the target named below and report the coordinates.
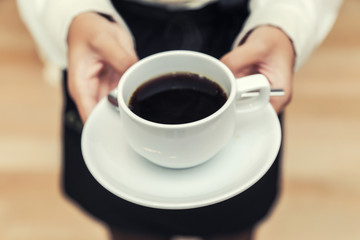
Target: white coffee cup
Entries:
(189, 144)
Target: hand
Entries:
(99, 52)
(269, 51)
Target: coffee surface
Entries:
(177, 98)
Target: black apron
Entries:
(211, 30)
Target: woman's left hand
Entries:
(269, 51)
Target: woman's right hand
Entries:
(99, 52)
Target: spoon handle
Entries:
(112, 98)
(276, 92)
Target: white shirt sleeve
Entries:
(48, 21)
(306, 22)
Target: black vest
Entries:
(211, 29)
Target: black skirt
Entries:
(211, 30)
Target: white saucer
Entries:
(129, 176)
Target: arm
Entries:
(278, 37)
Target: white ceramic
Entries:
(190, 144)
(239, 165)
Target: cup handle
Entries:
(256, 82)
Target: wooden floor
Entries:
(321, 172)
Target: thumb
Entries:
(112, 52)
(242, 61)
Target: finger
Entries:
(109, 80)
(84, 102)
(85, 107)
(82, 84)
(281, 79)
(241, 61)
(113, 53)
(280, 102)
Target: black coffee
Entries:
(177, 98)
